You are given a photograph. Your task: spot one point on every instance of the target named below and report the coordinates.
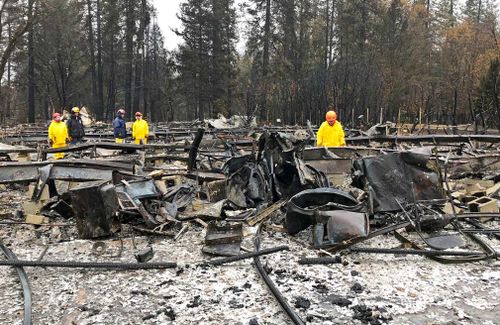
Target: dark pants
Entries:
(75, 141)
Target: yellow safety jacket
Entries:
(330, 136)
(140, 130)
(58, 134)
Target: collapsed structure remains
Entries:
(328, 231)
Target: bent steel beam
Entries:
(23, 277)
(441, 138)
(74, 170)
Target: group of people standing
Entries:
(72, 132)
(140, 128)
(330, 133)
(60, 133)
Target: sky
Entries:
(167, 20)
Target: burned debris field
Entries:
(222, 224)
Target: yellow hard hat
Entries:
(331, 116)
(75, 110)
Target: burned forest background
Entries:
(430, 61)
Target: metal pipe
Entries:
(90, 265)
(397, 251)
(320, 260)
(23, 277)
(274, 290)
(246, 255)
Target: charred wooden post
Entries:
(193, 152)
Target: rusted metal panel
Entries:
(474, 164)
(318, 153)
(216, 190)
(95, 206)
(223, 240)
(78, 170)
(332, 166)
(403, 176)
(101, 145)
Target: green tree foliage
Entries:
(207, 59)
(398, 60)
(488, 101)
(102, 54)
(371, 60)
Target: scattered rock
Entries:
(149, 316)
(302, 303)
(357, 288)
(170, 281)
(234, 289)
(195, 303)
(81, 297)
(280, 273)
(321, 288)
(235, 304)
(253, 321)
(367, 315)
(168, 311)
(338, 300)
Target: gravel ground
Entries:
(363, 288)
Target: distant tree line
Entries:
(102, 54)
(428, 61)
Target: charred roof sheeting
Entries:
(282, 156)
(278, 172)
(400, 176)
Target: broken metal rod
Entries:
(320, 260)
(154, 232)
(396, 251)
(181, 232)
(41, 224)
(294, 317)
(482, 231)
(91, 265)
(23, 278)
(479, 215)
(337, 260)
(435, 138)
(479, 226)
(266, 213)
(230, 259)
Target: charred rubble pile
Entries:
(439, 201)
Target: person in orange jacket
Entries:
(330, 133)
(140, 130)
(58, 134)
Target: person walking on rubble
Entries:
(58, 134)
(75, 126)
(140, 130)
(119, 127)
(330, 133)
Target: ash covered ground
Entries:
(362, 289)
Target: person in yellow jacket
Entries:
(330, 133)
(140, 130)
(58, 134)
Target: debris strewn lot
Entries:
(134, 206)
